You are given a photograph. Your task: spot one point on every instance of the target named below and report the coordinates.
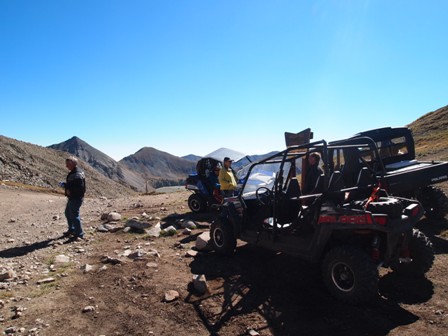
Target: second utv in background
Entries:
(403, 174)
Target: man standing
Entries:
(75, 188)
(227, 178)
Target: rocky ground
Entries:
(124, 281)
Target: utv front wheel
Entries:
(350, 274)
(435, 202)
(196, 203)
(222, 237)
(421, 255)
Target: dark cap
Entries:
(226, 159)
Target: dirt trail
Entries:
(254, 290)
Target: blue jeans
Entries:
(73, 216)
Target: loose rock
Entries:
(46, 280)
(113, 216)
(152, 265)
(10, 330)
(191, 253)
(113, 228)
(203, 242)
(109, 260)
(7, 275)
(200, 283)
(137, 255)
(188, 224)
(87, 268)
(171, 296)
(88, 309)
(135, 224)
(155, 231)
(61, 259)
(170, 230)
(102, 228)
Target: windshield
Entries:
(261, 175)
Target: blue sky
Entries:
(192, 76)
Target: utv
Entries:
(403, 174)
(350, 232)
(206, 189)
(204, 193)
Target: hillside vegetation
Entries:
(431, 135)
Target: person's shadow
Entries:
(19, 251)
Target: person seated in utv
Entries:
(313, 173)
(214, 183)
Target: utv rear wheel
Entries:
(435, 202)
(388, 206)
(421, 253)
(350, 274)
(196, 203)
(222, 237)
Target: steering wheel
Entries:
(264, 197)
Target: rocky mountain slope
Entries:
(159, 167)
(145, 169)
(102, 162)
(431, 134)
(34, 165)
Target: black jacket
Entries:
(75, 187)
(311, 178)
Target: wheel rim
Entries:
(195, 205)
(343, 277)
(218, 237)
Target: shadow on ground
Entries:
(19, 251)
(289, 298)
(432, 228)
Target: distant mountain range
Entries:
(101, 162)
(39, 166)
(159, 167)
(148, 166)
(192, 157)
